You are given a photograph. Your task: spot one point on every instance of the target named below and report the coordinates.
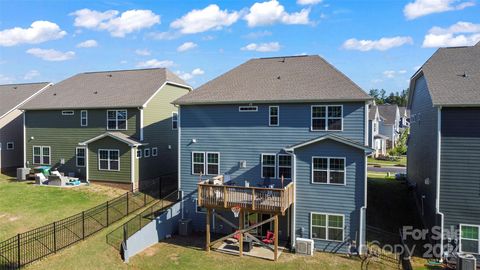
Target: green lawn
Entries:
(24, 206)
(402, 162)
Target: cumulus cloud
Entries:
(258, 34)
(190, 75)
(271, 12)
(4, 79)
(88, 44)
(459, 34)
(186, 46)
(164, 35)
(51, 54)
(390, 74)
(382, 44)
(420, 8)
(154, 63)
(143, 52)
(308, 2)
(38, 32)
(201, 20)
(118, 25)
(31, 74)
(262, 47)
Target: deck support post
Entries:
(207, 230)
(275, 239)
(240, 226)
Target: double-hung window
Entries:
(146, 152)
(83, 118)
(470, 238)
(41, 155)
(198, 162)
(109, 160)
(327, 118)
(273, 113)
(206, 163)
(117, 119)
(80, 156)
(154, 151)
(139, 153)
(327, 226)
(268, 165)
(285, 166)
(213, 163)
(328, 170)
(174, 120)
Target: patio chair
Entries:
(55, 179)
(269, 238)
(40, 179)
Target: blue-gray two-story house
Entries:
(444, 146)
(282, 138)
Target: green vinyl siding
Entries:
(108, 143)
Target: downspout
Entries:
(132, 165)
(363, 209)
(293, 216)
(437, 199)
(179, 133)
(141, 123)
(24, 142)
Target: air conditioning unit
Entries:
(466, 262)
(304, 246)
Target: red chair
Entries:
(269, 238)
(237, 235)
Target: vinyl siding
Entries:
(108, 143)
(11, 130)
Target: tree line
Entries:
(381, 97)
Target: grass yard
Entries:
(402, 162)
(24, 206)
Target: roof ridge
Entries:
(286, 56)
(122, 70)
(8, 84)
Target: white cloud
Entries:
(420, 8)
(390, 74)
(201, 20)
(382, 44)
(118, 26)
(186, 46)
(31, 74)
(5, 79)
(154, 63)
(164, 35)
(144, 52)
(262, 47)
(190, 75)
(88, 44)
(459, 34)
(258, 34)
(403, 71)
(38, 32)
(271, 12)
(308, 2)
(50, 54)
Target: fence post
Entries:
(83, 224)
(125, 235)
(18, 251)
(127, 205)
(108, 223)
(144, 199)
(54, 237)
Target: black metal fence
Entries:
(27, 247)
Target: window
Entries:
(285, 166)
(41, 155)
(326, 118)
(83, 118)
(327, 227)
(80, 154)
(198, 162)
(139, 153)
(470, 239)
(117, 119)
(374, 127)
(213, 161)
(68, 112)
(174, 120)
(268, 165)
(108, 160)
(248, 109)
(146, 152)
(273, 115)
(154, 151)
(10, 146)
(328, 170)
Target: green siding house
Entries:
(117, 127)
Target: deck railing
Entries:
(250, 198)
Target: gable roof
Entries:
(388, 113)
(277, 79)
(115, 135)
(452, 76)
(372, 113)
(404, 111)
(333, 137)
(105, 89)
(13, 96)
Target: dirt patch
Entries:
(151, 251)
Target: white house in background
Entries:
(390, 126)
(404, 117)
(376, 140)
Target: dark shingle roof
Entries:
(106, 89)
(278, 79)
(453, 76)
(372, 112)
(12, 95)
(403, 110)
(388, 113)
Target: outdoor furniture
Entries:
(269, 238)
(40, 179)
(247, 244)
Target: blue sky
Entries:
(378, 44)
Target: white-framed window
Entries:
(248, 108)
(117, 119)
(109, 160)
(284, 166)
(80, 153)
(198, 162)
(41, 155)
(174, 120)
(328, 227)
(274, 116)
(268, 165)
(199, 209)
(83, 118)
(68, 112)
(139, 153)
(146, 152)
(154, 151)
(328, 170)
(213, 163)
(374, 126)
(470, 238)
(327, 118)
(10, 145)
